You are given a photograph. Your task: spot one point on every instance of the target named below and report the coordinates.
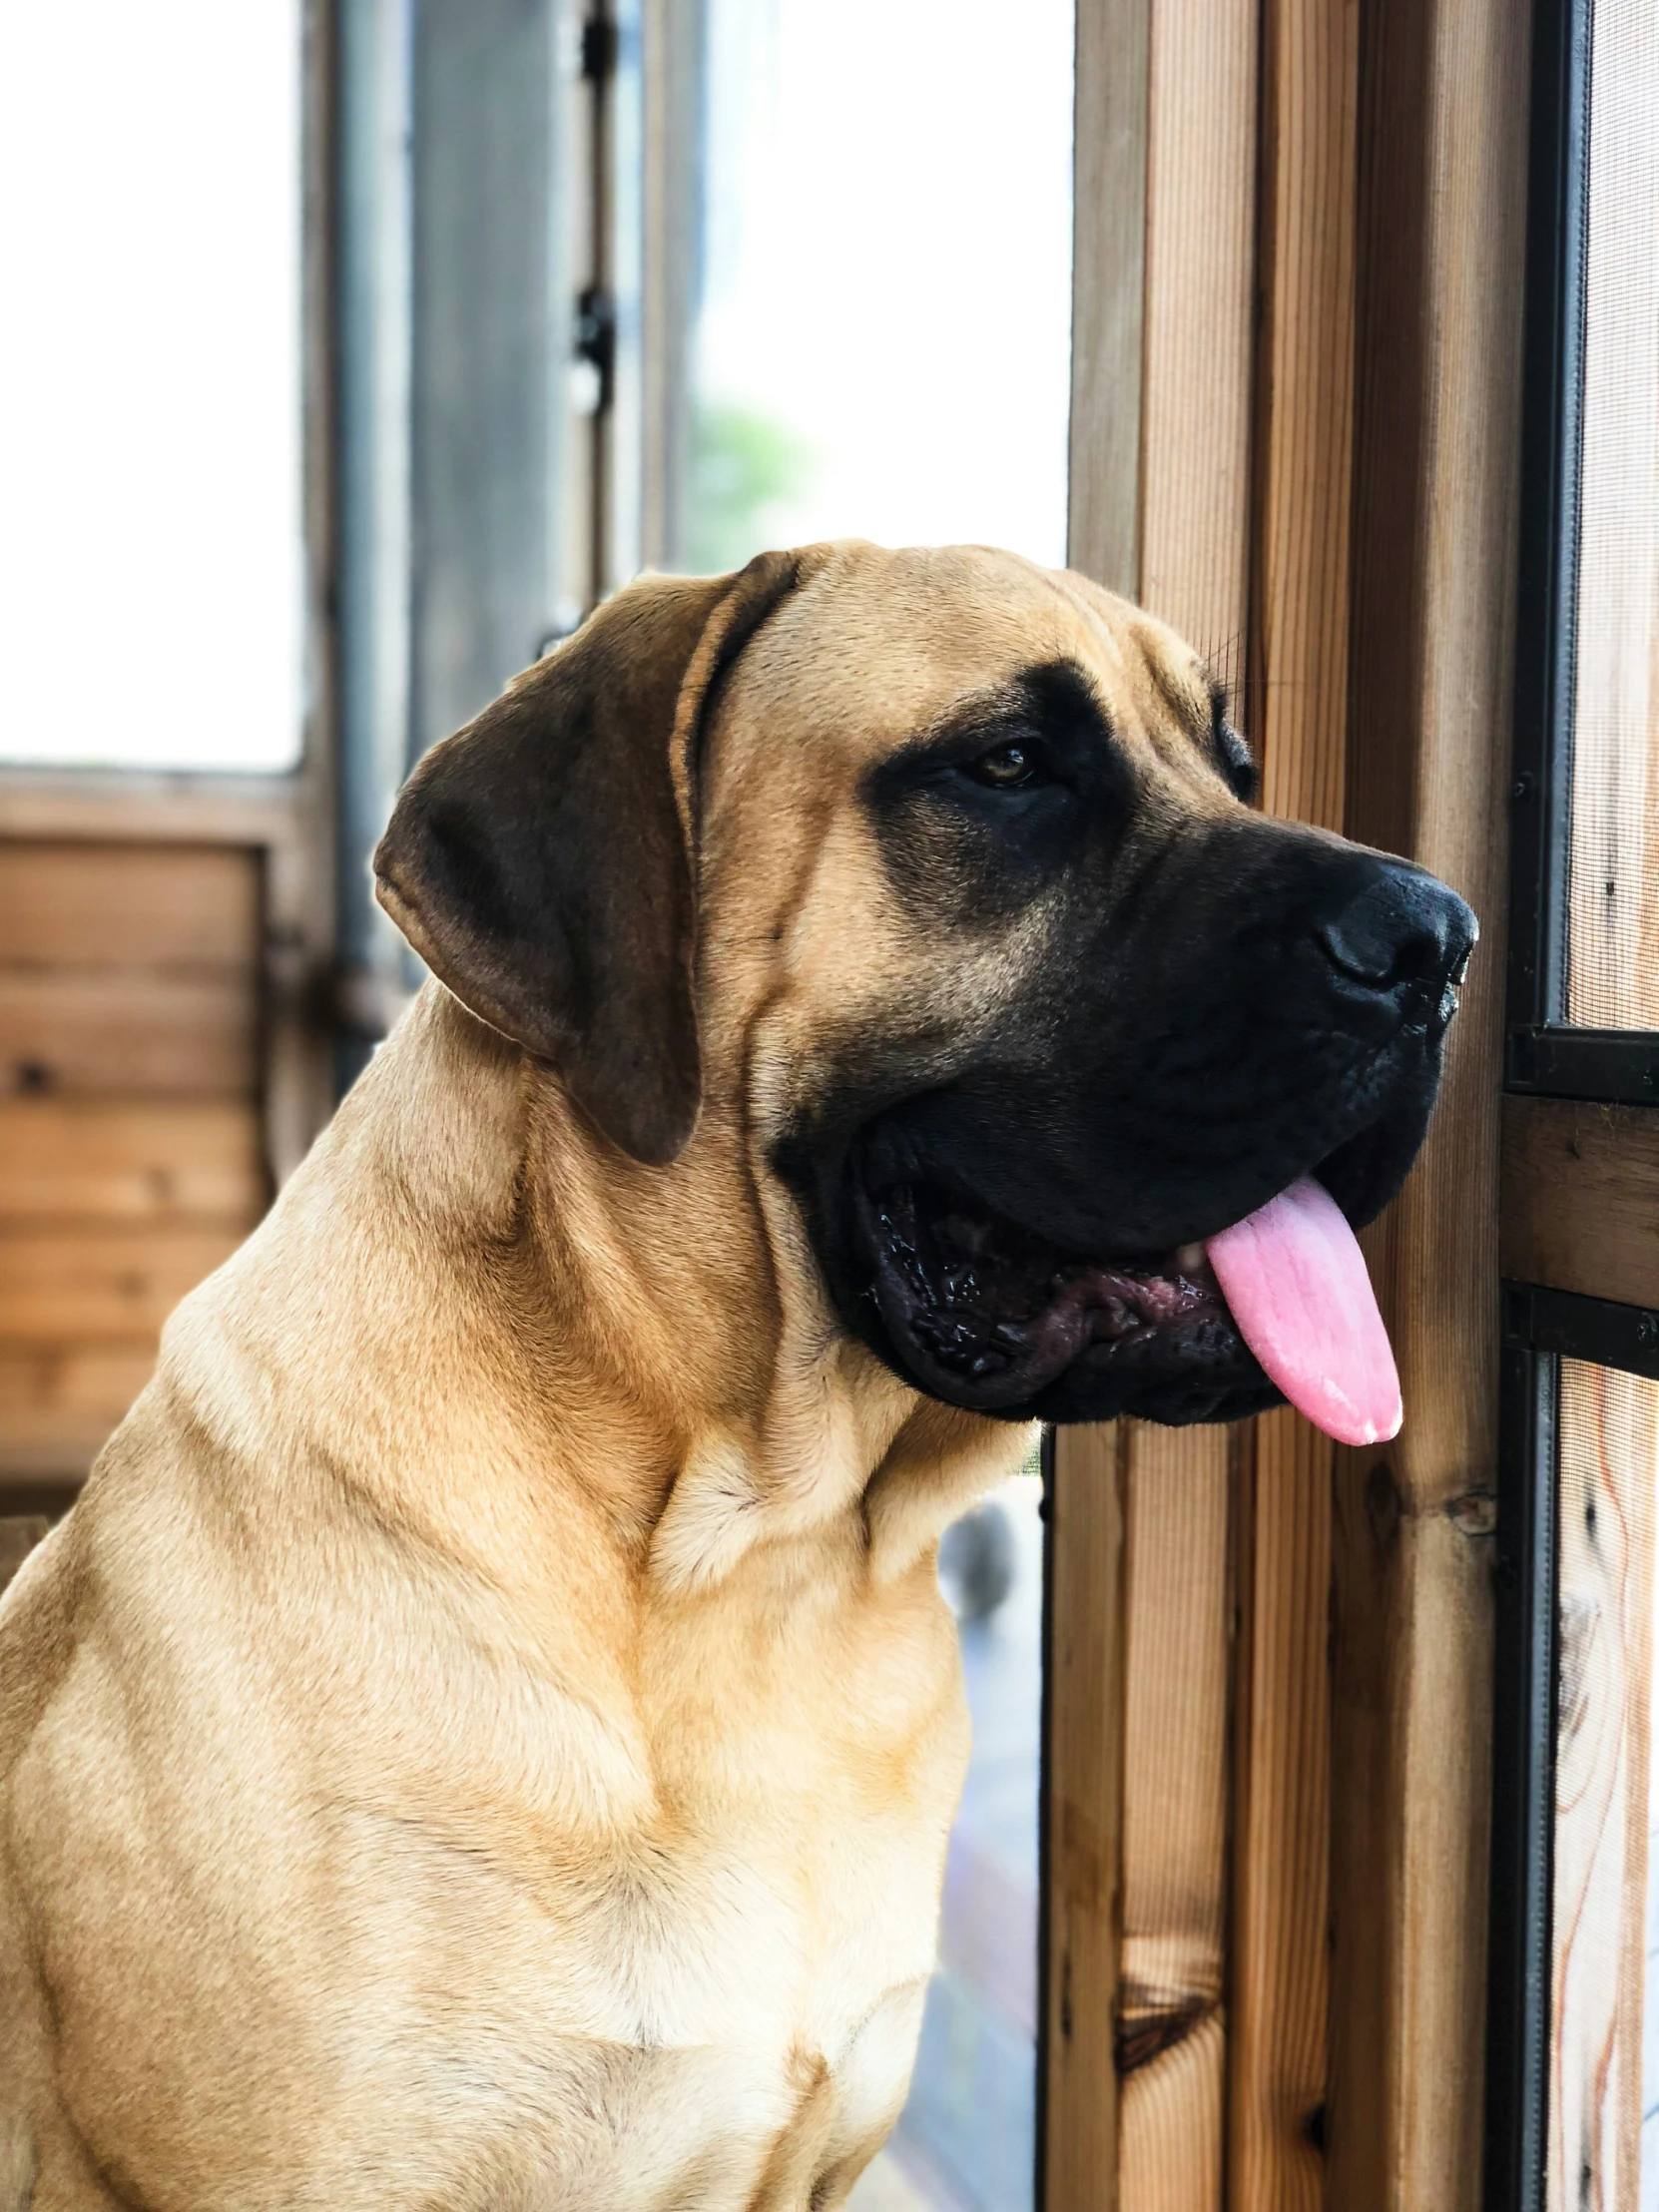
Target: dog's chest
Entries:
(723, 1999)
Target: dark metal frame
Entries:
(1542, 1328)
(1523, 1769)
(1544, 1054)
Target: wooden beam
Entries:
(1442, 204)
(1297, 715)
(1279, 1981)
(1200, 325)
(1171, 2043)
(1083, 1786)
(130, 1160)
(1161, 426)
(1580, 1198)
(1108, 291)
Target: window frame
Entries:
(1561, 1247)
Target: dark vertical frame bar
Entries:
(1541, 790)
(1523, 1773)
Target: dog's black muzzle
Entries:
(1250, 1006)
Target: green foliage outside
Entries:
(746, 471)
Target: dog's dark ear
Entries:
(542, 860)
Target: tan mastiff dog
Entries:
(486, 1736)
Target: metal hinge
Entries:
(600, 43)
(596, 339)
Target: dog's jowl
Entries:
(486, 1736)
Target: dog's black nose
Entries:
(1403, 927)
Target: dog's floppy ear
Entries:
(542, 860)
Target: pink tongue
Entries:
(1296, 1280)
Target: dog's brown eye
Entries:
(1005, 768)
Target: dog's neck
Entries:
(478, 1299)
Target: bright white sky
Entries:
(889, 260)
(889, 276)
(149, 547)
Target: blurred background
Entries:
(357, 349)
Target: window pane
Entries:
(1604, 2102)
(883, 348)
(1613, 979)
(149, 547)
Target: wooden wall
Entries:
(132, 1157)
(1276, 1929)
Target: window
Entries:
(882, 342)
(1574, 2078)
(150, 575)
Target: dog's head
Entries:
(934, 877)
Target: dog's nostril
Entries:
(1402, 927)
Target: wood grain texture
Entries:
(1305, 404)
(1171, 2116)
(1580, 1198)
(285, 825)
(84, 1283)
(78, 1159)
(1171, 2044)
(1108, 291)
(89, 1032)
(1083, 1785)
(167, 907)
(1199, 290)
(1609, 1443)
(1279, 1994)
(1299, 663)
(58, 1402)
(1442, 198)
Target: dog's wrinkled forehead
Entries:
(879, 648)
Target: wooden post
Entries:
(1442, 209)
(1297, 717)
(1135, 2098)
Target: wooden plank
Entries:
(1299, 643)
(1580, 1198)
(1171, 2043)
(1172, 2123)
(58, 1402)
(1083, 1785)
(1188, 508)
(1298, 681)
(1108, 291)
(69, 1159)
(89, 1031)
(1200, 325)
(1280, 1971)
(129, 906)
(148, 807)
(68, 1286)
(1442, 197)
(1608, 1453)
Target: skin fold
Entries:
(487, 1733)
